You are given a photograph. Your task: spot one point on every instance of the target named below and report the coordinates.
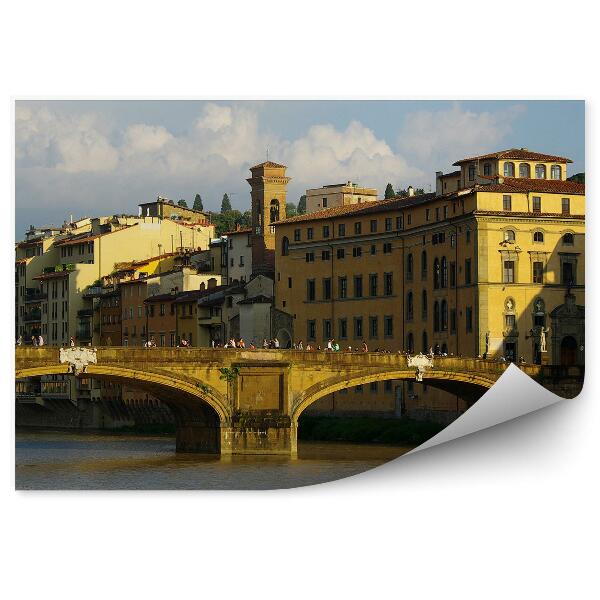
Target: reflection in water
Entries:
(54, 461)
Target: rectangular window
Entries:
(296, 235)
(324, 203)
(427, 214)
(309, 233)
(290, 282)
(467, 271)
(327, 289)
(387, 284)
(341, 253)
(373, 225)
(357, 228)
(510, 321)
(388, 326)
(507, 202)
(399, 224)
(437, 213)
(566, 206)
(446, 212)
(310, 257)
(341, 230)
(373, 387)
(327, 333)
(343, 329)
(325, 231)
(387, 247)
(472, 173)
(325, 255)
(388, 224)
(310, 290)
(162, 310)
(358, 291)
(537, 204)
(538, 272)
(373, 284)
(452, 274)
(358, 327)
(568, 273)
(469, 319)
(453, 321)
(343, 287)
(311, 329)
(373, 249)
(357, 251)
(509, 271)
(373, 327)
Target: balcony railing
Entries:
(35, 297)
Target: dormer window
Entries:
(509, 169)
(555, 172)
(487, 169)
(540, 171)
(472, 173)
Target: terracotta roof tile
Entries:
(362, 209)
(518, 184)
(516, 154)
(268, 163)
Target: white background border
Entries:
(510, 512)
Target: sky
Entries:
(91, 158)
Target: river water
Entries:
(90, 461)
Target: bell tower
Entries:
(268, 192)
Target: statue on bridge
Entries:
(420, 362)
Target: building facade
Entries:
(484, 270)
(339, 194)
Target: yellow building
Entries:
(494, 267)
(339, 194)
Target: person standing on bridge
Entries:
(20, 340)
(33, 340)
(276, 343)
(40, 340)
(72, 342)
(365, 348)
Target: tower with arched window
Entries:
(268, 194)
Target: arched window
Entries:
(436, 274)
(409, 306)
(444, 316)
(274, 211)
(487, 169)
(444, 272)
(424, 264)
(425, 343)
(509, 169)
(409, 267)
(436, 316)
(555, 172)
(540, 171)
(568, 239)
(524, 170)
(285, 246)
(410, 343)
(538, 236)
(424, 304)
(509, 235)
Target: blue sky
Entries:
(102, 157)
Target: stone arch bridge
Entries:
(249, 401)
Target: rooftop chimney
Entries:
(411, 191)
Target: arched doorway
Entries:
(568, 351)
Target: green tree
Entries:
(290, 209)
(225, 204)
(198, 203)
(301, 205)
(182, 202)
(389, 191)
(577, 178)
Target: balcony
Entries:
(33, 316)
(34, 296)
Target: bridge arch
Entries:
(157, 381)
(474, 384)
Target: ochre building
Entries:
(491, 264)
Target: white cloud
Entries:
(67, 143)
(439, 138)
